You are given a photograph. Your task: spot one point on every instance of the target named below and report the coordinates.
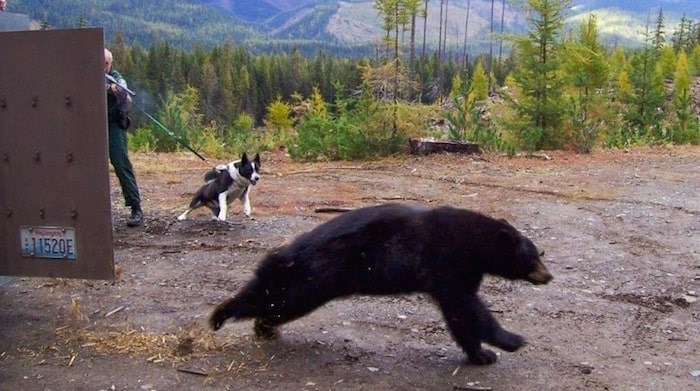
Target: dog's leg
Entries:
(246, 203)
(222, 206)
(194, 204)
(183, 216)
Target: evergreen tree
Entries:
(479, 83)
(412, 8)
(586, 66)
(424, 15)
(694, 61)
(121, 54)
(490, 58)
(209, 88)
(666, 63)
(243, 91)
(624, 86)
(158, 69)
(538, 75)
(682, 37)
(659, 38)
(388, 15)
(617, 62)
(682, 97)
(81, 23)
(646, 99)
(465, 54)
(279, 115)
(262, 81)
(500, 38)
(457, 86)
(226, 102)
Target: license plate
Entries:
(48, 242)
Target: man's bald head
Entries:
(108, 60)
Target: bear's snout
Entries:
(540, 275)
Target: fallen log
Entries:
(427, 146)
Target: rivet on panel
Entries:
(5, 157)
(3, 103)
(37, 155)
(35, 101)
(69, 157)
(74, 213)
(9, 212)
(68, 100)
(41, 212)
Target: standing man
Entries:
(118, 122)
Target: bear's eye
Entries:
(542, 253)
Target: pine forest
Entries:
(551, 87)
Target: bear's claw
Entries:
(215, 323)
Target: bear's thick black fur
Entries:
(393, 249)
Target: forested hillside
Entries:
(558, 86)
(181, 23)
(554, 90)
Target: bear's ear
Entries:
(506, 238)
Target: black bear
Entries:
(387, 250)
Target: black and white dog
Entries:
(224, 183)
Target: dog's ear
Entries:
(257, 160)
(244, 159)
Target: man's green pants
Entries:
(119, 157)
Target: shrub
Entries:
(141, 140)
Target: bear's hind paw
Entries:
(509, 342)
(482, 357)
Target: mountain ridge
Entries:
(347, 23)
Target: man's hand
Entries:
(3, 5)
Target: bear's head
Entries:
(517, 258)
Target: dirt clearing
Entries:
(621, 232)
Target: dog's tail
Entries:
(243, 305)
(210, 175)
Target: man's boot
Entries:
(136, 217)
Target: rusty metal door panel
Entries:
(54, 169)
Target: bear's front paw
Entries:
(482, 357)
(216, 321)
(264, 330)
(509, 342)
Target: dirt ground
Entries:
(621, 232)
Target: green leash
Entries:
(172, 135)
(169, 132)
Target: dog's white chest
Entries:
(236, 190)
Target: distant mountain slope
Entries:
(265, 23)
(642, 7)
(179, 22)
(259, 10)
